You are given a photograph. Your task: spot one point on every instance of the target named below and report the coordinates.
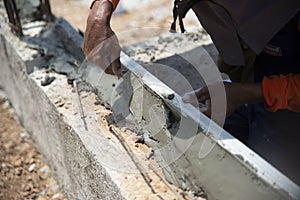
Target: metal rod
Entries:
(80, 105)
(45, 8)
(13, 16)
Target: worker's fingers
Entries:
(196, 96)
(191, 98)
(109, 70)
(116, 68)
(202, 94)
(115, 57)
(205, 108)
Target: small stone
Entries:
(27, 188)
(97, 102)
(58, 101)
(11, 111)
(23, 135)
(56, 196)
(84, 96)
(6, 104)
(61, 104)
(31, 168)
(140, 140)
(42, 193)
(152, 59)
(48, 80)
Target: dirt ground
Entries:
(131, 26)
(23, 171)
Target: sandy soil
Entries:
(23, 172)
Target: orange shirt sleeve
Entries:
(114, 3)
(282, 92)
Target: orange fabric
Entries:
(114, 3)
(282, 92)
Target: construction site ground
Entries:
(131, 26)
(24, 173)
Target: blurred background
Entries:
(130, 18)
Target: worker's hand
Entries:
(101, 45)
(236, 95)
(232, 97)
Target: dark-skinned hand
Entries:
(236, 94)
(101, 45)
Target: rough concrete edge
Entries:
(40, 118)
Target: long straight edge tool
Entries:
(80, 105)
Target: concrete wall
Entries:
(80, 175)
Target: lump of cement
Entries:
(61, 66)
(28, 8)
(48, 80)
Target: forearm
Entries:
(277, 92)
(249, 93)
(98, 25)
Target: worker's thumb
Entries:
(116, 68)
(202, 93)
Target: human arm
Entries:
(277, 92)
(100, 44)
(237, 94)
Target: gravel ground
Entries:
(23, 171)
